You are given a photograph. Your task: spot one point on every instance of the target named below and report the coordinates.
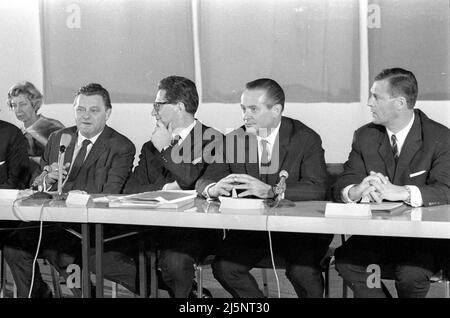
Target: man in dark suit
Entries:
(265, 145)
(14, 168)
(401, 156)
(98, 160)
(14, 165)
(173, 159)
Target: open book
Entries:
(155, 199)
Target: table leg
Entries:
(86, 281)
(142, 270)
(99, 282)
(153, 271)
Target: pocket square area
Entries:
(2, 162)
(415, 174)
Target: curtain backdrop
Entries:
(125, 45)
(310, 47)
(413, 34)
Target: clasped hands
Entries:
(251, 185)
(377, 187)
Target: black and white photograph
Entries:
(224, 157)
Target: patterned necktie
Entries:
(78, 163)
(394, 148)
(175, 140)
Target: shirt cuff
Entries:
(205, 191)
(416, 196)
(344, 194)
(164, 188)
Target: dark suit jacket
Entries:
(427, 147)
(105, 169)
(300, 154)
(155, 169)
(15, 170)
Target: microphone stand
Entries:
(62, 151)
(279, 200)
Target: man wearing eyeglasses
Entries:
(173, 159)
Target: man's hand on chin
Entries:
(161, 136)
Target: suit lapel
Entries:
(413, 143)
(385, 152)
(194, 136)
(69, 151)
(283, 140)
(279, 151)
(97, 148)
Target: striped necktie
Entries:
(78, 163)
(394, 148)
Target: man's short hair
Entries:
(402, 83)
(274, 92)
(180, 89)
(95, 89)
(30, 92)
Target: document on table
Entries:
(385, 206)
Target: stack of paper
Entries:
(155, 199)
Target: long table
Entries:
(304, 217)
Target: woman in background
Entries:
(25, 99)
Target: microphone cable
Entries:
(41, 221)
(272, 258)
(17, 213)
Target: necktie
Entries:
(394, 148)
(175, 140)
(264, 152)
(264, 160)
(78, 163)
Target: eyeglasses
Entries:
(157, 105)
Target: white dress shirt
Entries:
(270, 143)
(416, 196)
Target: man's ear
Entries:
(401, 103)
(277, 109)
(108, 113)
(181, 106)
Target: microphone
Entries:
(280, 188)
(63, 144)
